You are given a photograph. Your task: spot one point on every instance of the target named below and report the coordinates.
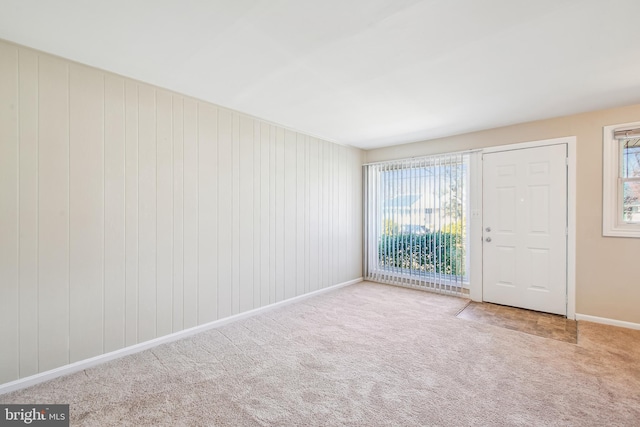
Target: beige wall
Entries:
(128, 212)
(607, 276)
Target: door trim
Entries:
(475, 282)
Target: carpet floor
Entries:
(363, 355)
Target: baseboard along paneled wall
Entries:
(129, 212)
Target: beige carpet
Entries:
(364, 355)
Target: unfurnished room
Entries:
(319, 213)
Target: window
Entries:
(416, 228)
(621, 180)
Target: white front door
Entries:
(525, 228)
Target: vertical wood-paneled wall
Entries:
(128, 212)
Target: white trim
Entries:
(611, 227)
(475, 226)
(572, 185)
(571, 143)
(529, 144)
(607, 321)
(97, 360)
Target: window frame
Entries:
(612, 224)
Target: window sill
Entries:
(633, 232)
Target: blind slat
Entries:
(415, 218)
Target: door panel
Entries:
(525, 220)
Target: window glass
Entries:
(631, 202)
(631, 158)
(630, 180)
(416, 216)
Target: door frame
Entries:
(475, 229)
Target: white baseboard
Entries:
(97, 360)
(607, 321)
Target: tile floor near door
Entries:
(531, 322)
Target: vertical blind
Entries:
(415, 222)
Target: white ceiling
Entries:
(367, 73)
